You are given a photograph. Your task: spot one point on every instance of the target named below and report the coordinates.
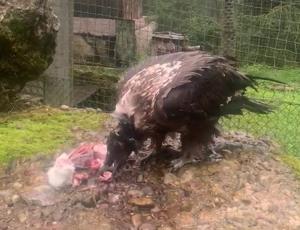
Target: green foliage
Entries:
(266, 31)
(271, 38)
(97, 73)
(194, 18)
(41, 131)
(293, 162)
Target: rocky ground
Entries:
(248, 189)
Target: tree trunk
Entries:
(131, 9)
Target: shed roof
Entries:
(169, 35)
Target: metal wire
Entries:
(110, 35)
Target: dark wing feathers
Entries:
(204, 90)
(204, 86)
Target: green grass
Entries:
(287, 74)
(97, 72)
(293, 162)
(41, 131)
(283, 125)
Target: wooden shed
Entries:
(109, 32)
(167, 42)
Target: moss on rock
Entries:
(27, 46)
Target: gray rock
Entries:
(22, 217)
(148, 191)
(185, 220)
(17, 185)
(156, 209)
(147, 226)
(6, 195)
(113, 198)
(43, 195)
(140, 178)
(136, 220)
(58, 215)
(64, 107)
(91, 110)
(165, 228)
(171, 179)
(187, 176)
(144, 202)
(15, 199)
(135, 193)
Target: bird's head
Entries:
(121, 142)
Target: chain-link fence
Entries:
(264, 35)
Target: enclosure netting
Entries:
(264, 35)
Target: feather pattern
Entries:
(179, 87)
(185, 92)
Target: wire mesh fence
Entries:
(110, 35)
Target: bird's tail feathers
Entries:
(264, 79)
(239, 103)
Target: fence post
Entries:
(228, 38)
(58, 85)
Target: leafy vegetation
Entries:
(267, 36)
(41, 131)
(271, 38)
(293, 162)
(97, 72)
(196, 19)
(266, 32)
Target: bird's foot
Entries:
(149, 158)
(115, 169)
(181, 162)
(166, 153)
(214, 156)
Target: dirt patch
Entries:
(248, 188)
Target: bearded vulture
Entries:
(184, 92)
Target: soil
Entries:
(247, 189)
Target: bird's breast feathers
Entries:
(140, 92)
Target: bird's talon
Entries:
(179, 163)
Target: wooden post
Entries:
(125, 42)
(228, 31)
(131, 9)
(58, 86)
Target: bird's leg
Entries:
(213, 154)
(192, 152)
(187, 158)
(155, 148)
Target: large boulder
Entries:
(28, 30)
